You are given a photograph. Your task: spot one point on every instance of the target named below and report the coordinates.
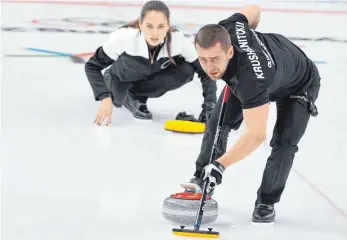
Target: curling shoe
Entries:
(137, 107)
(263, 214)
(199, 182)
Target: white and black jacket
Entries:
(127, 51)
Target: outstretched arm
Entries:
(256, 122)
(93, 68)
(252, 13)
(104, 56)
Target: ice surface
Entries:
(65, 178)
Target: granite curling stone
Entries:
(182, 209)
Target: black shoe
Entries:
(117, 105)
(137, 108)
(199, 182)
(264, 213)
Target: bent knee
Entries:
(284, 144)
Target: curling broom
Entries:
(197, 232)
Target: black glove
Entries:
(213, 173)
(184, 116)
(207, 108)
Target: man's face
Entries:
(214, 60)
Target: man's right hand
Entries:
(104, 112)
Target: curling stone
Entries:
(182, 208)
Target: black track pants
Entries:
(154, 87)
(292, 119)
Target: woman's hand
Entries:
(105, 112)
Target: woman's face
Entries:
(154, 26)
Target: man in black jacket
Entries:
(259, 69)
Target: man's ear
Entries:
(230, 52)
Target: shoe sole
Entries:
(127, 106)
(263, 223)
(116, 105)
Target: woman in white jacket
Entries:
(147, 58)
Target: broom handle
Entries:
(213, 155)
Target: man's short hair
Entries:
(211, 34)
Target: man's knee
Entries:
(284, 145)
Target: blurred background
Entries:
(65, 178)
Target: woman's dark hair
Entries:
(157, 6)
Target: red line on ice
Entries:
(178, 6)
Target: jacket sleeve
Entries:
(254, 59)
(104, 57)
(209, 87)
(93, 68)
